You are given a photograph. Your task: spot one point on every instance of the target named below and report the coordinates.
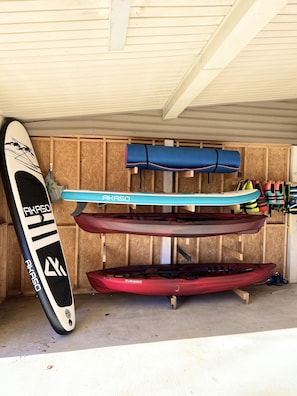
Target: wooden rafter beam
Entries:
(119, 19)
(245, 20)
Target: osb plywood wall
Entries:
(97, 163)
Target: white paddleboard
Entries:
(35, 226)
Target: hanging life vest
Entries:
(261, 201)
(279, 190)
(275, 194)
(251, 206)
(290, 199)
(269, 189)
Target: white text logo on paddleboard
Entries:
(33, 276)
(115, 198)
(53, 267)
(36, 210)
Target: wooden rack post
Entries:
(165, 257)
(237, 253)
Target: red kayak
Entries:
(171, 224)
(179, 279)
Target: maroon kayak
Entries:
(179, 279)
(171, 224)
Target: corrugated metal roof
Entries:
(55, 59)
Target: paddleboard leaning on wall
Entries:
(35, 226)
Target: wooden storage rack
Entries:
(97, 163)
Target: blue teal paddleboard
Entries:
(174, 199)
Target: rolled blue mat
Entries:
(179, 159)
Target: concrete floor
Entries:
(137, 345)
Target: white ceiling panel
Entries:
(55, 58)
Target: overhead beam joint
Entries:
(244, 21)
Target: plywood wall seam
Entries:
(78, 168)
(104, 163)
